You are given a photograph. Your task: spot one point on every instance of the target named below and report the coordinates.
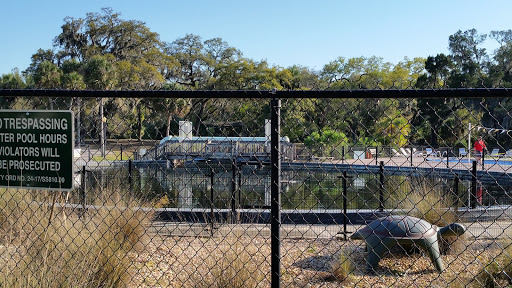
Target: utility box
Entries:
(185, 130)
(359, 155)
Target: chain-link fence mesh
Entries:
(171, 191)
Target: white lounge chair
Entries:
(405, 152)
(416, 153)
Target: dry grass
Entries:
(45, 249)
(232, 266)
(187, 262)
(497, 271)
(343, 267)
(428, 202)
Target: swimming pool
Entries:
(465, 160)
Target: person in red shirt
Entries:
(479, 149)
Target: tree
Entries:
(438, 70)
(104, 33)
(327, 142)
(73, 40)
(216, 53)
(302, 78)
(405, 74)
(344, 71)
(393, 126)
(134, 50)
(188, 51)
(468, 58)
(39, 57)
(200, 63)
(500, 71)
(47, 75)
(12, 80)
(98, 75)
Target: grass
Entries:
(498, 271)
(113, 156)
(233, 265)
(43, 249)
(342, 268)
(428, 202)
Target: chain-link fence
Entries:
(259, 189)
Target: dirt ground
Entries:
(202, 261)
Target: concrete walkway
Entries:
(476, 230)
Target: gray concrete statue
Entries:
(386, 232)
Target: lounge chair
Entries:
(462, 152)
(394, 153)
(508, 154)
(405, 152)
(429, 152)
(496, 153)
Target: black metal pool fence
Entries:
(289, 160)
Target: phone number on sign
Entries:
(45, 179)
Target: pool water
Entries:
(465, 160)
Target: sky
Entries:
(283, 32)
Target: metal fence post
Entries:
(344, 184)
(456, 192)
(381, 186)
(212, 213)
(483, 159)
(233, 190)
(275, 192)
(472, 197)
(376, 154)
(83, 191)
(448, 157)
(130, 176)
(239, 185)
(412, 164)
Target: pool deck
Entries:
(490, 164)
(493, 171)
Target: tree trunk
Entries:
(168, 130)
(433, 137)
(139, 123)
